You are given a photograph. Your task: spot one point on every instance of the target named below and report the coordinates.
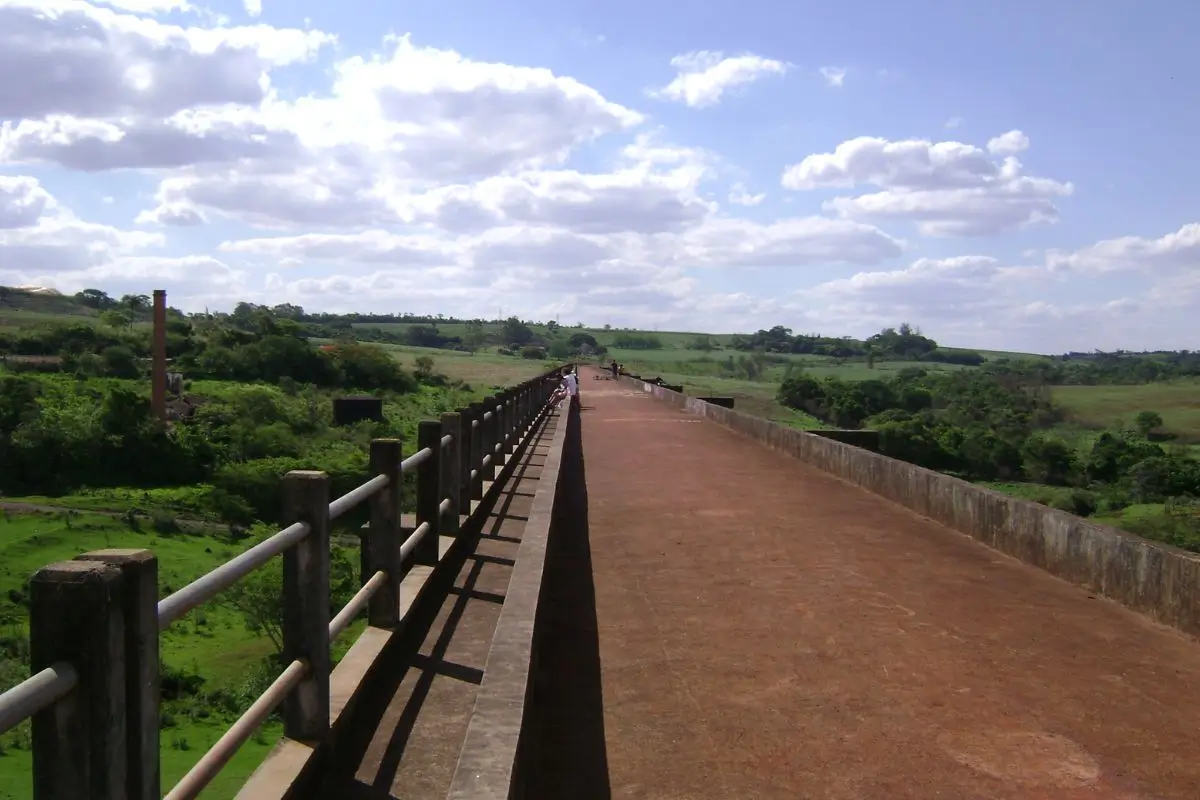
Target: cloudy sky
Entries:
(1013, 174)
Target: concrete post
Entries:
(478, 437)
(452, 471)
(306, 605)
(465, 449)
(158, 355)
(381, 545)
(489, 437)
(429, 492)
(79, 743)
(139, 576)
(502, 421)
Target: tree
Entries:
(94, 298)
(517, 332)
(1148, 421)
(1048, 460)
(552, 328)
(136, 302)
(423, 368)
(117, 318)
(120, 362)
(474, 336)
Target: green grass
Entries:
(211, 640)
(1097, 407)
(481, 370)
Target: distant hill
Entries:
(25, 305)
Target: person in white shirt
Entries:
(570, 384)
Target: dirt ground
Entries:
(766, 631)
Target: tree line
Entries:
(994, 425)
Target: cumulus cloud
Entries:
(1178, 250)
(1008, 144)
(703, 77)
(78, 59)
(834, 76)
(418, 178)
(946, 188)
(38, 234)
(253, 7)
(740, 197)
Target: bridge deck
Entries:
(766, 631)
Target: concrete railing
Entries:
(94, 623)
(1155, 579)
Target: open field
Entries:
(481, 370)
(1102, 406)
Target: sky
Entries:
(1001, 174)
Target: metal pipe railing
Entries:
(209, 585)
(443, 465)
(36, 693)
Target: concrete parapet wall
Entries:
(493, 762)
(1155, 579)
(867, 440)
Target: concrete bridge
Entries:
(661, 598)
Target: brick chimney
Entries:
(158, 371)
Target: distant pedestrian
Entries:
(615, 369)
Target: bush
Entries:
(164, 523)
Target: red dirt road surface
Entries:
(767, 631)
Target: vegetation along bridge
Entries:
(657, 597)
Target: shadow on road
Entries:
(564, 754)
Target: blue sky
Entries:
(1028, 180)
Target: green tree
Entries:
(516, 332)
(1147, 422)
(474, 336)
(120, 362)
(1048, 460)
(117, 318)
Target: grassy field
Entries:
(482, 370)
(1096, 407)
(211, 641)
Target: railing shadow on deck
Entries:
(339, 774)
(562, 737)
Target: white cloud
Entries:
(253, 7)
(418, 178)
(703, 77)
(147, 6)
(1008, 144)
(77, 59)
(946, 188)
(1179, 250)
(740, 197)
(834, 76)
(37, 234)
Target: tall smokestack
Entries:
(158, 371)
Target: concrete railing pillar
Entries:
(139, 577)
(80, 743)
(381, 545)
(452, 426)
(429, 491)
(306, 605)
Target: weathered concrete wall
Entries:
(867, 440)
(1155, 579)
(499, 747)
